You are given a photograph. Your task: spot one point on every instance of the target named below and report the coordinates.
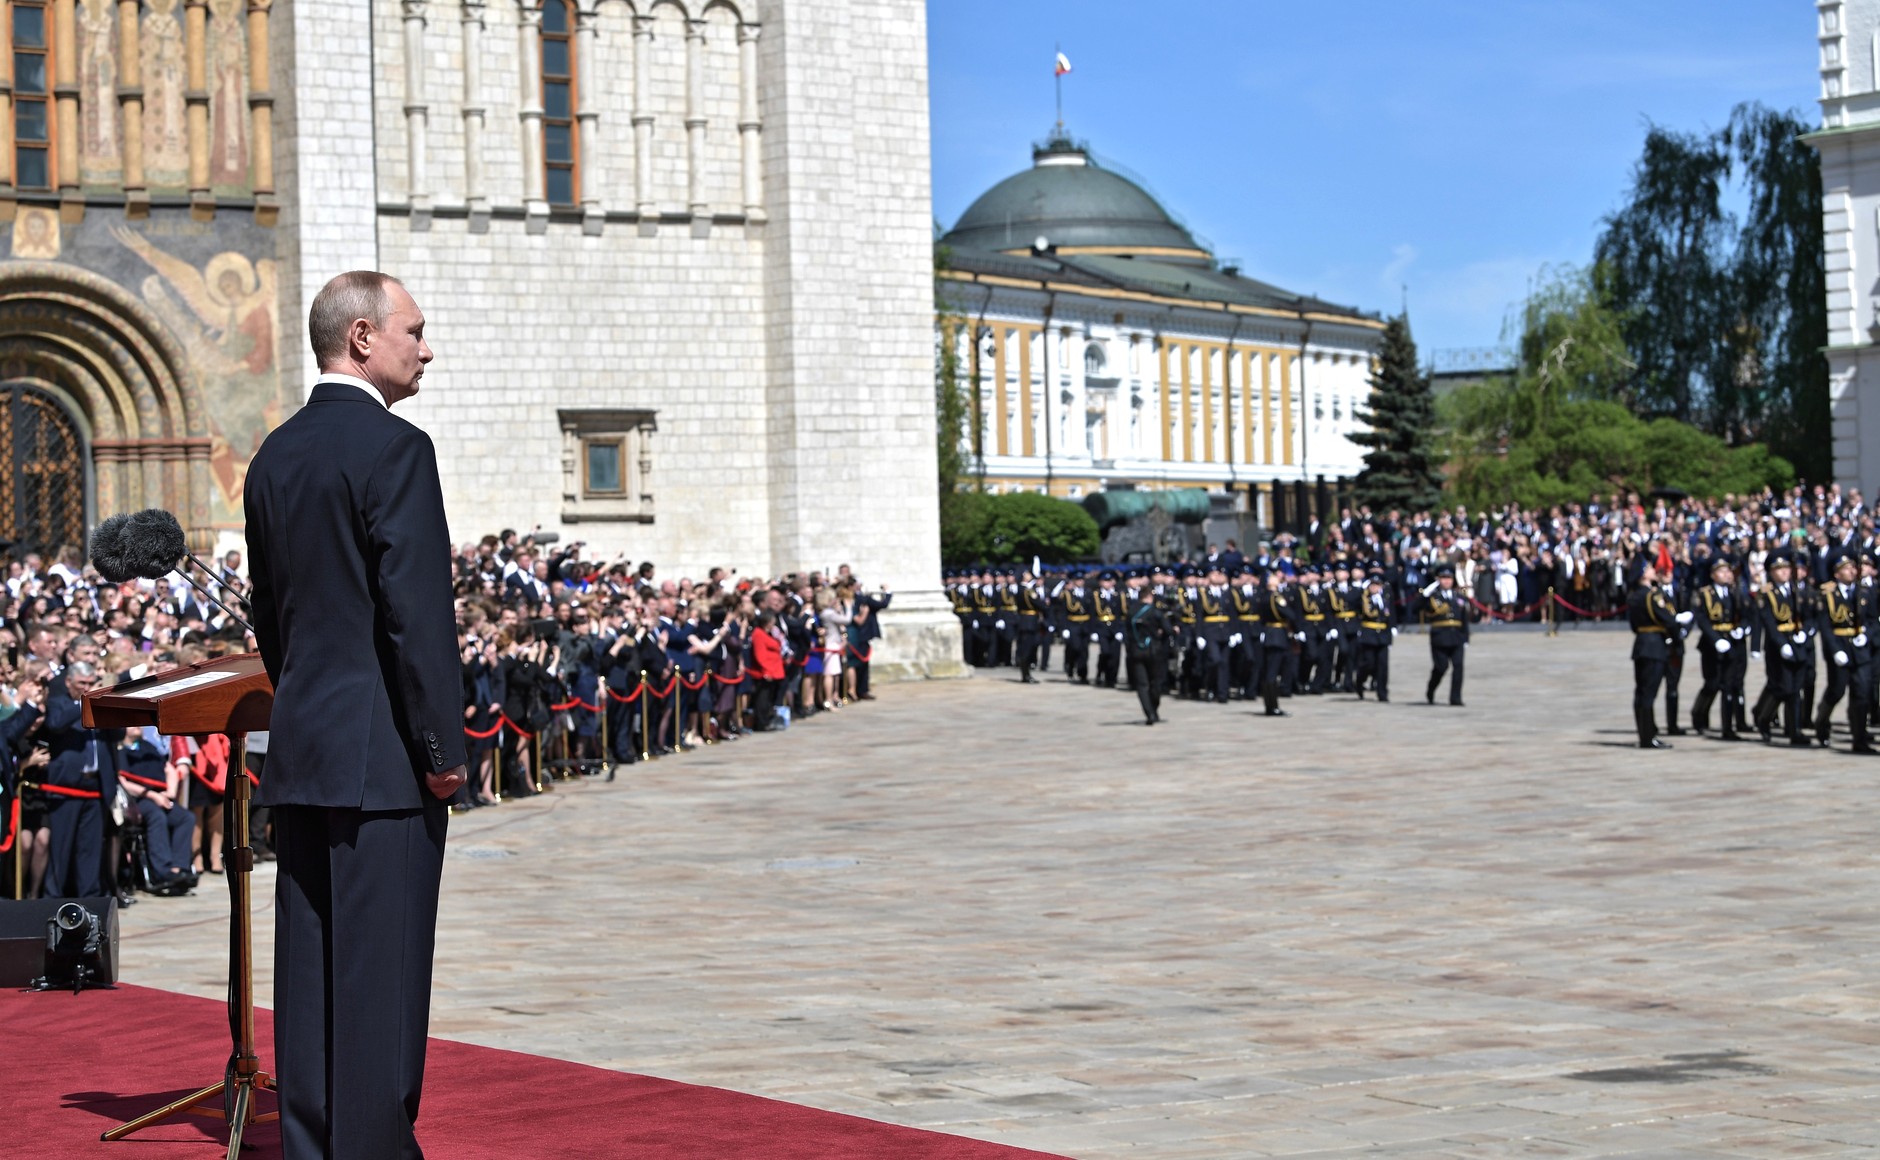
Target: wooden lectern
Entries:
(229, 695)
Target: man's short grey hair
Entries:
(351, 296)
(80, 669)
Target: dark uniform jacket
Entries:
(1447, 617)
(1653, 621)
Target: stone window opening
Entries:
(33, 111)
(561, 146)
(607, 465)
(1095, 363)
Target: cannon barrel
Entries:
(1188, 505)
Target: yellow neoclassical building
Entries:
(1101, 343)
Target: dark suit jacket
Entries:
(350, 561)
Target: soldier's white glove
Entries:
(1860, 640)
(1119, 636)
(998, 624)
(1393, 633)
(1067, 634)
(1788, 652)
(1840, 658)
(1233, 641)
(1723, 646)
(1755, 655)
(1300, 637)
(1738, 633)
(1800, 638)
(1331, 634)
(1686, 617)
(1201, 643)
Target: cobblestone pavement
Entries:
(1015, 913)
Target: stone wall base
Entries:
(920, 640)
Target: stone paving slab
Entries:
(1365, 930)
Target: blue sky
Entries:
(1347, 149)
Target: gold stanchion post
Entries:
(646, 715)
(607, 755)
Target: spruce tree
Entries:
(1400, 467)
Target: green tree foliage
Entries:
(1562, 428)
(1011, 529)
(1400, 469)
(1726, 317)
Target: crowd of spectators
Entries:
(1585, 556)
(571, 666)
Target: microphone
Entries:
(150, 545)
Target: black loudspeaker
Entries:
(23, 939)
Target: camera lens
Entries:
(71, 916)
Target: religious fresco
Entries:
(228, 97)
(215, 286)
(100, 135)
(166, 134)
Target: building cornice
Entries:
(1048, 286)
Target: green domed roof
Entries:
(1077, 207)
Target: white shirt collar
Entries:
(351, 381)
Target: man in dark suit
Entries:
(350, 562)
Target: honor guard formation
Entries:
(1791, 626)
(1232, 629)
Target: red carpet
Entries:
(72, 1066)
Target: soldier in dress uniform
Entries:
(962, 602)
(1783, 635)
(1005, 618)
(1719, 615)
(1109, 624)
(1243, 611)
(1146, 637)
(1653, 621)
(1049, 591)
(1212, 631)
(1028, 610)
(1448, 620)
(985, 603)
(1377, 628)
(1187, 633)
(1080, 614)
(1843, 635)
(1675, 593)
(1314, 651)
(1344, 598)
(1280, 625)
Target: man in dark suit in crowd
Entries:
(869, 629)
(80, 769)
(350, 562)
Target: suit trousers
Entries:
(355, 913)
(75, 862)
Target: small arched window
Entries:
(561, 154)
(1094, 361)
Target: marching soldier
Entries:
(1843, 635)
(1653, 621)
(1005, 619)
(1448, 620)
(1344, 599)
(1028, 610)
(1377, 628)
(1049, 616)
(1314, 653)
(1721, 653)
(1243, 611)
(1211, 613)
(1280, 623)
(962, 602)
(1674, 593)
(1784, 636)
(1079, 614)
(1146, 637)
(1109, 626)
(1187, 634)
(985, 604)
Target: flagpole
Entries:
(1057, 79)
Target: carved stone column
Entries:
(65, 92)
(261, 112)
(587, 119)
(417, 116)
(476, 199)
(643, 126)
(534, 195)
(695, 128)
(130, 63)
(750, 125)
(196, 102)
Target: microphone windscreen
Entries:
(107, 550)
(154, 543)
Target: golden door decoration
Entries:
(42, 491)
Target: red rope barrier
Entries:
(67, 791)
(1509, 616)
(630, 697)
(13, 826)
(737, 680)
(143, 781)
(862, 657)
(1561, 600)
(487, 733)
(520, 731)
(572, 703)
(702, 681)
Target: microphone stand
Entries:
(225, 585)
(210, 597)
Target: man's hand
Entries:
(443, 785)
